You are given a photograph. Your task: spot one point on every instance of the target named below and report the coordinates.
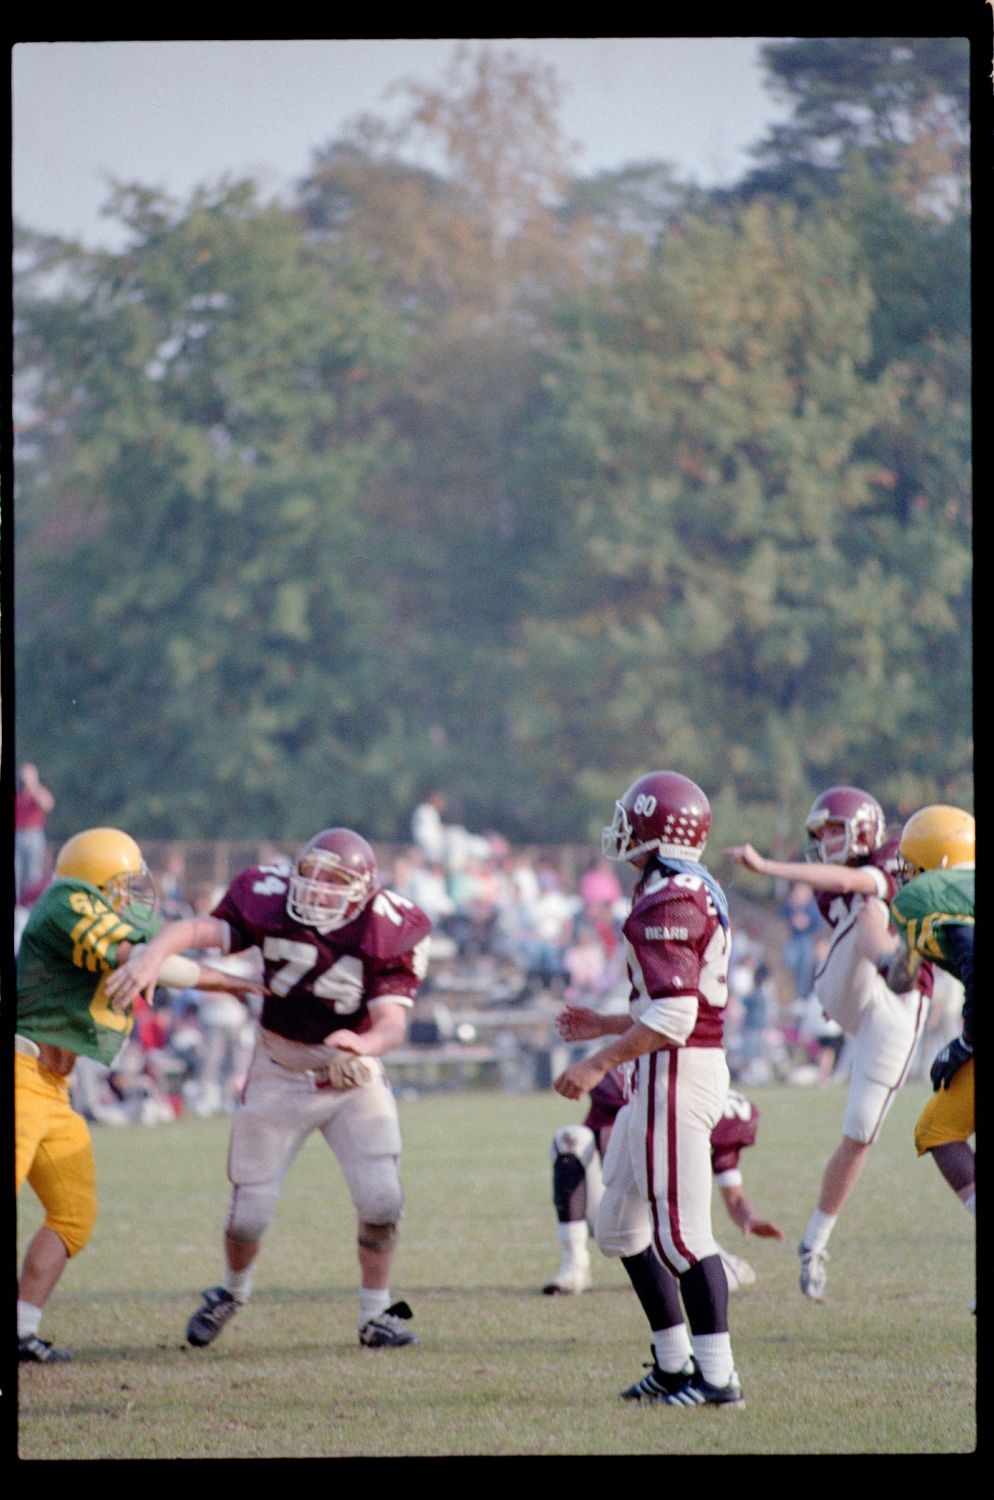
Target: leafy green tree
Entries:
(212, 417)
(472, 259)
(902, 103)
(720, 590)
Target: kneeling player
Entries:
(578, 1153)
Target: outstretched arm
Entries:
(145, 964)
(839, 880)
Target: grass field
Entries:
(885, 1366)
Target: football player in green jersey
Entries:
(98, 908)
(934, 910)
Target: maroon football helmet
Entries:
(662, 813)
(845, 824)
(332, 880)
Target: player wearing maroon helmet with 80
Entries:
(853, 870)
(578, 1152)
(656, 1212)
(343, 960)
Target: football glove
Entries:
(949, 1061)
(350, 1071)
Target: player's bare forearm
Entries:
(580, 1077)
(143, 962)
(211, 980)
(388, 1031)
(578, 1023)
(836, 879)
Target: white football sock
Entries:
(671, 1347)
(713, 1352)
(372, 1301)
(28, 1319)
(573, 1239)
(820, 1227)
(239, 1284)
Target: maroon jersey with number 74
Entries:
(322, 982)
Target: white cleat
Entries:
(738, 1271)
(567, 1281)
(814, 1276)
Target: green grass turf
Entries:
(886, 1365)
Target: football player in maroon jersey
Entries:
(656, 1210)
(343, 959)
(853, 869)
(578, 1153)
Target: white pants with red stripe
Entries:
(657, 1169)
(885, 1031)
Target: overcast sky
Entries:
(174, 115)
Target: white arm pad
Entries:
(177, 972)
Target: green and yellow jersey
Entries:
(69, 944)
(927, 907)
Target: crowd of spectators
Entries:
(514, 929)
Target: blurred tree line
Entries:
(510, 481)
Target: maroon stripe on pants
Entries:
(672, 1200)
(915, 1038)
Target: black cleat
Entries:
(387, 1330)
(217, 1308)
(31, 1350)
(676, 1388)
(720, 1395)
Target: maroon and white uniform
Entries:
(733, 1134)
(885, 1028)
(657, 1170)
(606, 1099)
(320, 981)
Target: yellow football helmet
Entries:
(110, 860)
(938, 838)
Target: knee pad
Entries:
(622, 1226)
(376, 1236)
(377, 1193)
(576, 1174)
(569, 1178)
(575, 1140)
(251, 1211)
(618, 1243)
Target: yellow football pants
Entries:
(949, 1115)
(54, 1152)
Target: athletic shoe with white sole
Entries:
(31, 1350)
(661, 1387)
(217, 1308)
(388, 1329)
(814, 1277)
(729, 1394)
